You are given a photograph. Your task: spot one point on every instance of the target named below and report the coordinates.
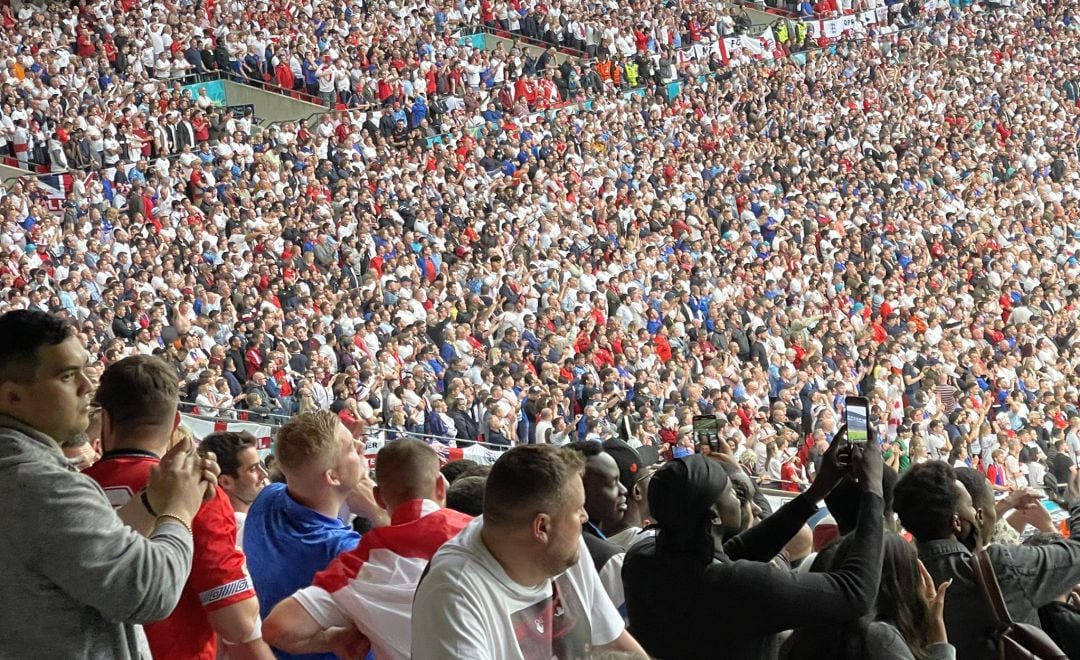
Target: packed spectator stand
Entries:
(303, 267)
(643, 214)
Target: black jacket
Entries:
(1062, 622)
(742, 598)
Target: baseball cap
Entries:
(628, 460)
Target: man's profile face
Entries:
(605, 496)
(56, 401)
(727, 515)
(251, 476)
(970, 532)
(564, 530)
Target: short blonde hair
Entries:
(306, 440)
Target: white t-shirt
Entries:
(240, 516)
(631, 535)
(468, 607)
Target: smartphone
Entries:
(857, 417)
(706, 429)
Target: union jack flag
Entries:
(443, 450)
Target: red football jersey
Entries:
(218, 577)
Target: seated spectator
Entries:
(524, 561)
(1061, 618)
(700, 561)
(467, 495)
(292, 529)
(454, 469)
(79, 577)
(243, 474)
(938, 511)
(906, 622)
(138, 398)
(372, 586)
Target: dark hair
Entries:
(227, 446)
(843, 500)
(898, 604)
(467, 495)
(476, 471)
(453, 470)
(528, 480)
(977, 485)
(925, 499)
(24, 332)
(586, 448)
(141, 390)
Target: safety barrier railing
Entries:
(512, 35)
(275, 421)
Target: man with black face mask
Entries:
(948, 524)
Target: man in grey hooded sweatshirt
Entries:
(79, 578)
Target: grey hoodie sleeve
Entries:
(83, 547)
(884, 642)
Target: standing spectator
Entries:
(79, 578)
(138, 397)
(243, 473)
(700, 562)
(292, 530)
(948, 524)
(372, 586)
(605, 504)
(518, 583)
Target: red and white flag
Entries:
(372, 586)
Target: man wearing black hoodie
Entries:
(685, 574)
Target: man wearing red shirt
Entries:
(138, 397)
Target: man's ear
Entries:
(541, 527)
(106, 430)
(378, 497)
(10, 394)
(176, 421)
(331, 477)
(957, 525)
(227, 482)
(636, 494)
(441, 486)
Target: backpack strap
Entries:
(987, 579)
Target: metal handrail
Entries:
(530, 41)
(370, 431)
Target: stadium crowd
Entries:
(773, 238)
(444, 255)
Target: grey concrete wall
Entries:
(491, 40)
(759, 20)
(270, 106)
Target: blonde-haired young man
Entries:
(293, 530)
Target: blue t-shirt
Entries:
(286, 544)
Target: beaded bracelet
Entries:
(178, 519)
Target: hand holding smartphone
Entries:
(857, 418)
(706, 430)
